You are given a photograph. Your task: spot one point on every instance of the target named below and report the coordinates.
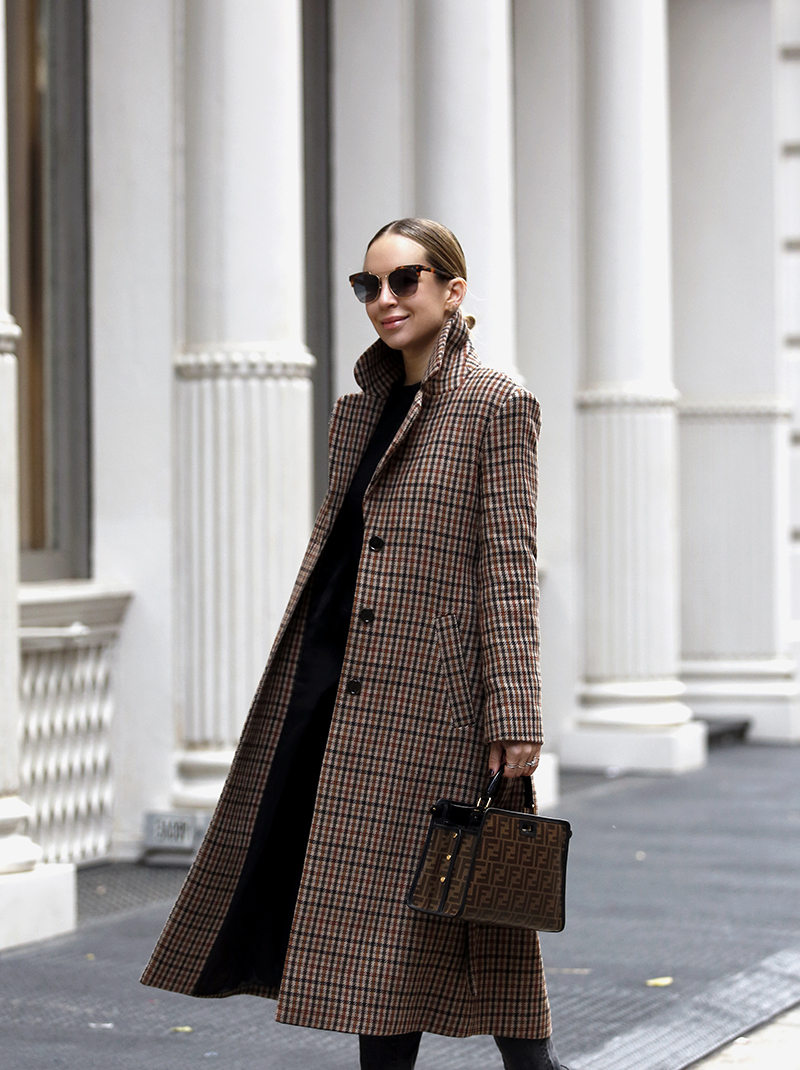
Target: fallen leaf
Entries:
(641, 855)
(181, 1029)
(101, 1025)
(659, 982)
(90, 957)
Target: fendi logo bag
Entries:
(496, 867)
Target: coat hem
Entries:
(243, 990)
(417, 1025)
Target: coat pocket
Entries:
(451, 657)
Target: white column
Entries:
(132, 90)
(372, 179)
(464, 156)
(633, 714)
(243, 390)
(35, 900)
(729, 367)
(17, 852)
(547, 179)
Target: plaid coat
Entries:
(449, 663)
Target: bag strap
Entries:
(485, 801)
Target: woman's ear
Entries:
(457, 292)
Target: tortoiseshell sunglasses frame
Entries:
(360, 276)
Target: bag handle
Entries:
(494, 784)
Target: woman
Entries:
(405, 669)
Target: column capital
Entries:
(620, 395)
(748, 407)
(256, 360)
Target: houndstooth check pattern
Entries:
(450, 662)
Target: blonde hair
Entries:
(441, 245)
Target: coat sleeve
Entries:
(508, 589)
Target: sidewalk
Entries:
(694, 879)
(773, 1047)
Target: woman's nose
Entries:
(386, 297)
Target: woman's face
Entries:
(413, 323)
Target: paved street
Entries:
(689, 882)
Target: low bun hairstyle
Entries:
(441, 245)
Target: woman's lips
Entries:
(394, 321)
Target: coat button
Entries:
(376, 542)
(367, 616)
(353, 687)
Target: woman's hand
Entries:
(520, 758)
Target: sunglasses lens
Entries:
(403, 281)
(365, 286)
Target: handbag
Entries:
(492, 866)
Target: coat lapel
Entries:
(355, 419)
(380, 367)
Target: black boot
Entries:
(528, 1054)
(398, 1052)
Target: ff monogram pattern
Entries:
(448, 663)
(440, 885)
(510, 870)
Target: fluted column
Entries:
(17, 851)
(464, 157)
(243, 390)
(633, 714)
(735, 412)
(35, 900)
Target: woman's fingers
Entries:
(495, 756)
(517, 754)
(520, 758)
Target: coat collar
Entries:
(379, 367)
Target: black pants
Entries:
(400, 1053)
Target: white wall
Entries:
(723, 177)
(729, 366)
(788, 134)
(132, 319)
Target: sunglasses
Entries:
(403, 281)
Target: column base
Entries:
(18, 852)
(37, 904)
(665, 749)
(764, 692)
(200, 776)
(546, 782)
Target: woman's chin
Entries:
(394, 338)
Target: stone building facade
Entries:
(189, 185)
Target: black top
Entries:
(333, 583)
